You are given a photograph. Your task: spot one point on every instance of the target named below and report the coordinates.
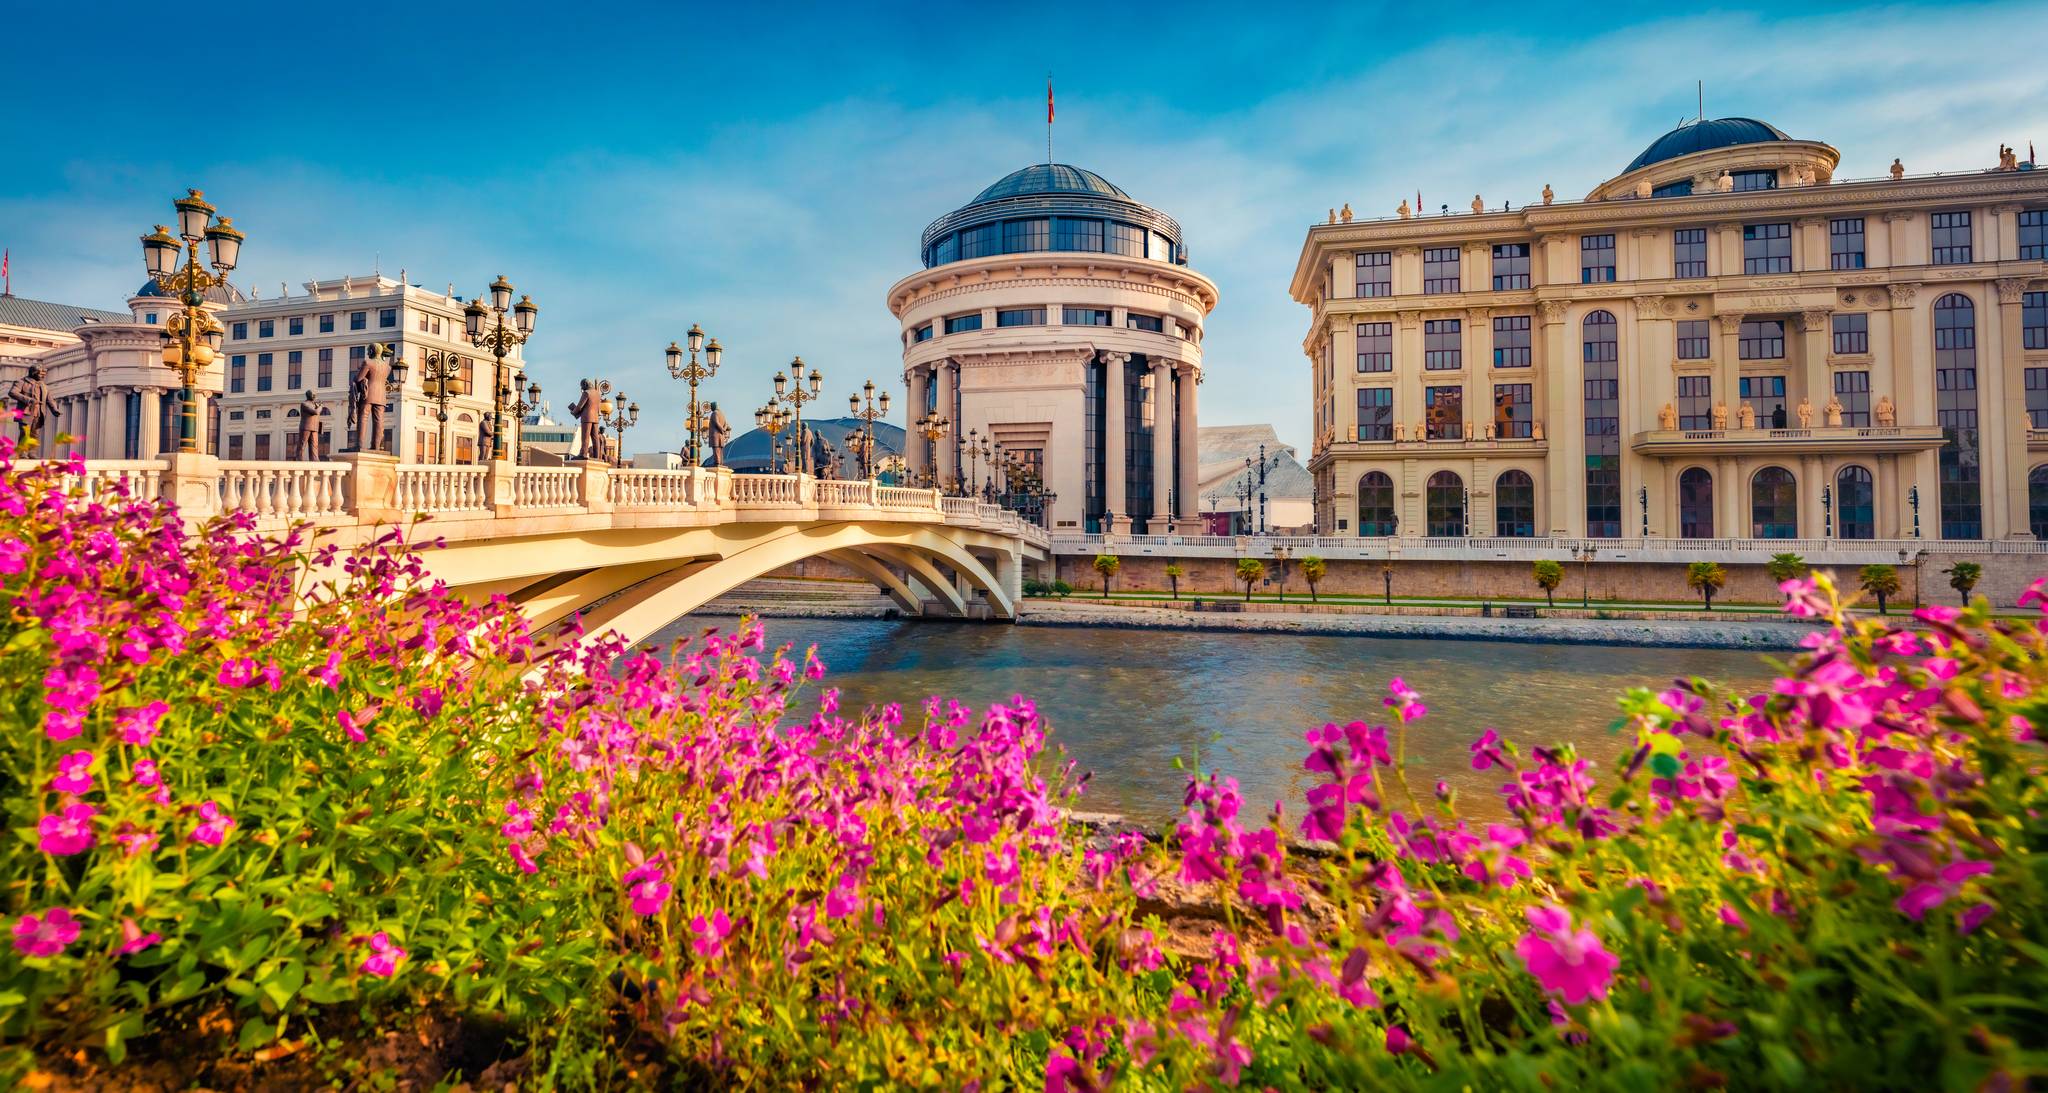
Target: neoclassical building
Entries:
(1057, 316)
(1722, 341)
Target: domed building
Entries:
(1056, 317)
(1726, 341)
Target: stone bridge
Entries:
(629, 550)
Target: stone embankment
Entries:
(832, 599)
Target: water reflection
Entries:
(1126, 703)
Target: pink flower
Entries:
(74, 773)
(13, 556)
(645, 888)
(330, 673)
(213, 826)
(1403, 701)
(133, 940)
(47, 934)
(1002, 868)
(1571, 963)
(353, 724)
(384, 956)
(146, 774)
(138, 724)
(238, 672)
(67, 832)
(707, 936)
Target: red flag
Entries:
(5, 255)
(1048, 100)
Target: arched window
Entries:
(1696, 504)
(2037, 501)
(1376, 505)
(1601, 355)
(1514, 505)
(1955, 404)
(1773, 505)
(1445, 498)
(1855, 503)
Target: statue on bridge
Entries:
(721, 432)
(309, 429)
(486, 433)
(30, 396)
(367, 397)
(589, 413)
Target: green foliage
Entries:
(1062, 589)
(1174, 573)
(1784, 566)
(1963, 577)
(1035, 587)
(1313, 569)
(1250, 571)
(1705, 578)
(1107, 565)
(1548, 574)
(1880, 581)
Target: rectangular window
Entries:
(1375, 273)
(387, 318)
(1071, 234)
(423, 322)
(1852, 333)
(1375, 347)
(235, 447)
(1443, 344)
(1126, 240)
(1511, 341)
(263, 371)
(1754, 180)
(1021, 316)
(238, 371)
(241, 332)
(1440, 269)
(1766, 396)
(1689, 252)
(1695, 402)
(263, 446)
(1511, 414)
(326, 324)
(1084, 316)
(1152, 323)
(1852, 389)
(981, 242)
(2037, 398)
(296, 325)
(1025, 236)
(325, 376)
(294, 370)
(1444, 412)
(1694, 344)
(1596, 259)
(1845, 243)
(2034, 320)
(266, 328)
(1510, 266)
(1767, 248)
(1762, 340)
(359, 320)
(1375, 413)
(957, 323)
(2033, 234)
(1949, 238)
(922, 333)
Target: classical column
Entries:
(916, 458)
(152, 420)
(1162, 445)
(2002, 412)
(1190, 508)
(944, 453)
(1816, 329)
(1563, 424)
(1113, 471)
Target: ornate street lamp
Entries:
(867, 417)
(934, 429)
(970, 484)
(694, 373)
(528, 402)
(487, 330)
(1583, 554)
(441, 377)
(796, 394)
(773, 419)
(197, 335)
(617, 414)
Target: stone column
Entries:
(1816, 328)
(1811, 477)
(1563, 422)
(1113, 464)
(944, 456)
(1162, 445)
(152, 423)
(916, 458)
(1728, 367)
(2002, 415)
(1190, 456)
(1731, 500)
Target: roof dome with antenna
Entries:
(1053, 207)
(1700, 136)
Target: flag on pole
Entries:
(7, 282)
(1048, 100)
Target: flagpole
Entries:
(1048, 119)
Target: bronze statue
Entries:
(30, 397)
(588, 410)
(369, 393)
(486, 432)
(721, 432)
(309, 429)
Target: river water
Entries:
(1126, 703)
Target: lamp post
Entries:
(1913, 497)
(798, 394)
(772, 419)
(934, 429)
(1643, 502)
(528, 402)
(197, 335)
(618, 415)
(441, 378)
(970, 484)
(693, 374)
(1583, 554)
(1827, 511)
(500, 340)
(874, 410)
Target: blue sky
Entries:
(765, 171)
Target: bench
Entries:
(1520, 612)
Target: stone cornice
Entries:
(1049, 268)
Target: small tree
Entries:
(1107, 565)
(1881, 581)
(1173, 575)
(1784, 567)
(1312, 571)
(1706, 578)
(1963, 576)
(1549, 574)
(1387, 578)
(1250, 571)
(1062, 589)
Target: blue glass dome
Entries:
(1049, 178)
(1705, 135)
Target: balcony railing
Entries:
(1863, 438)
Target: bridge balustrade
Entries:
(289, 491)
(442, 489)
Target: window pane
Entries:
(1376, 347)
(1511, 341)
(1514, 505)
(1695, 402)
(1443, 344)
(1845, 243)
(1600, 356)
(1376, 504)
(1693, 341)
(1767, 248)
(1440, 269)
(1511, 411)
(1762, 340)
(1689, 252)
(1444, 498)
(1596, 259)
(1949, 240)
(1852, 390)
(1375, 273)
(1955, 403)
(1444, 412)
(1375, 413)
(1852, 333)
(1510, 266)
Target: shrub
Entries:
(1705, 578)
(1785, 566)
(1963, 577)
(1107, 565)
(1250, 571)
(1548, 574)
(1313, 570)
(1174, 573)
(1880, 581)
(1062, 589)
(1035, 587)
